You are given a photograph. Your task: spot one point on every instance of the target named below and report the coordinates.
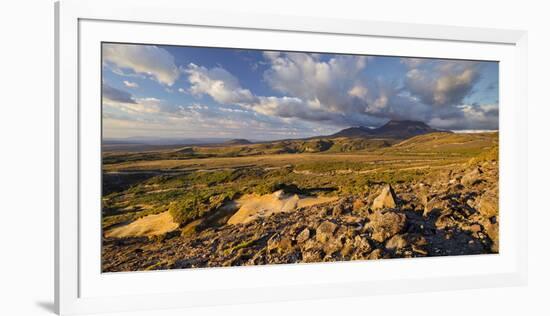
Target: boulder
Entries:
(361, 244)
(471, 177)
(303, 236)
(348, 248)
(474, 228)
(375, 254)
(435, 203)
(280, 244)
(385, 225)
(492, 232)
(313, 255)
(324, 231)
(386, 199)
(332, 245)
(396, 242)
(487, 205)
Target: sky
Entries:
(176, 92)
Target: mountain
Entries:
(404, 129)
(353, 132)
(238, 141)
(392, 129)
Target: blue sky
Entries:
(193, 92)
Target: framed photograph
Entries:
(209, 158)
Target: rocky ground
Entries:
(453, 213)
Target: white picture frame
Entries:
(81, 288)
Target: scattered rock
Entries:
(303, 236)
(492, 231)
(432, 204)
(333, 245)
(419, 250)
(385, 225)
(420, 241)
(324, 211)
(310, 244)
(444, 222)
(325, 231)
(472, 177)
(280, 244)
(488, 205)
(475, 228)
(457, 219)
(315, 255)
(361, 244)
(386, 199)
(396, 242)
(348, 248)
(375, 254)
(338, 210)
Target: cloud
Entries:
(358, 91)
(200, 120)
(307, 77)
(337, 92)
(334, 90)
(217, 83)
(413, 62)
(123, 101)
(314, 94)
(312, 89)
(147, 60)
(469, 117)
(320, 100)
(442, 83)
(115, 95)
(340, 90)
(130, 84)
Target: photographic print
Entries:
(218, 157)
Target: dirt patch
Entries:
(253, 206)
(150, 225)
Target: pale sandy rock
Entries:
(386, 199)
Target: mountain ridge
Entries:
(392, 129)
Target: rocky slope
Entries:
(452, 213)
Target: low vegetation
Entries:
(195, 183)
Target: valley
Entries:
(402, 190)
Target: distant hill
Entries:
(393, 129)
(163, 141)
(443, 142)
(238, 141)
(354, 132)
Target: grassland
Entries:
(192, 182)
(291, 201)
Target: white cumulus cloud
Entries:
(217, 83)
(147, 60)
